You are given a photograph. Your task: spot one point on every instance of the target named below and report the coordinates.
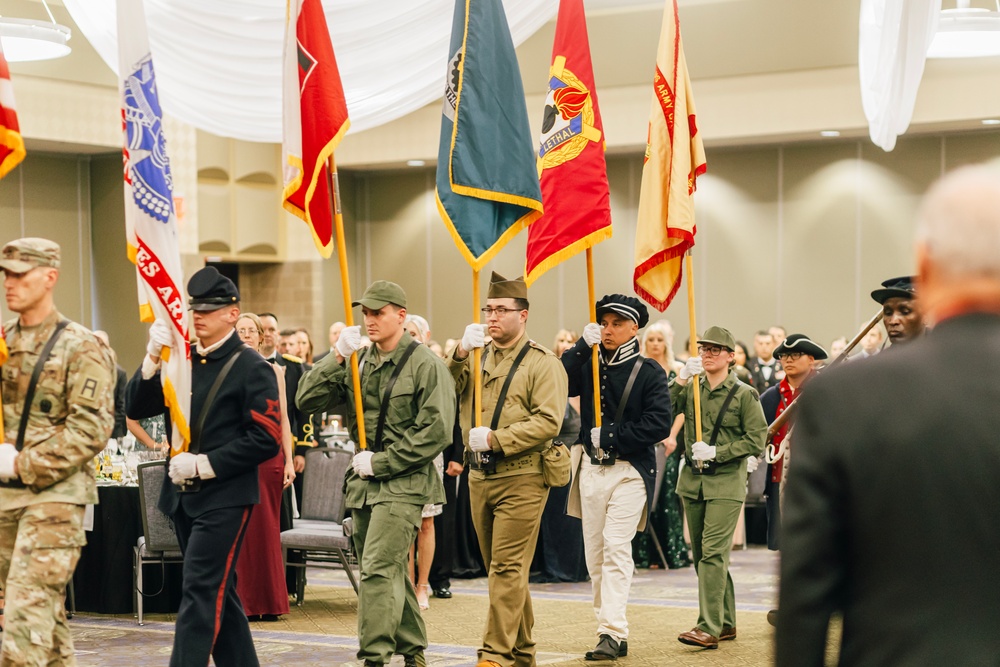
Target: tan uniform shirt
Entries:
(532, 413)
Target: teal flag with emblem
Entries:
(487, 180)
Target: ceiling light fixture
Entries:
(991, 121)
(829, 133)
(967, 32)
(27, 39)
(415, 163)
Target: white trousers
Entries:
(612, 501)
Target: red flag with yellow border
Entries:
(571, 166)
(675, 157)
(315, 118)
(11, 142)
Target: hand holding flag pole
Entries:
(595, 358)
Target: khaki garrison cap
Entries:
(501, 288)
(23, 255)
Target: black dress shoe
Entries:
(608, 649)
(443, 593)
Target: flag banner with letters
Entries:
(487, 183)
(675, 157)
(150, 219)
(570, 159)
(315, 118)
(11, 143)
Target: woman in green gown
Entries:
(666, 520)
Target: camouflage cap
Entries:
(718, 336)
(501, 288)
(381, 293)
(25, 254)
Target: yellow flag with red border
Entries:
(675, 157)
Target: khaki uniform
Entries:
(713, 502)
(507, 504)
(41, 525)
(386, 507)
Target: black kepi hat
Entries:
(628, 307)
(210, 290)
(800, 343)
(901, 287)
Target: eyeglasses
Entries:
(790, 356)
(246, 332)
(499, 312)
(711, 350)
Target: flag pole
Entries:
(345, 282)
(693, 346)
(477, 356)
(595, 351)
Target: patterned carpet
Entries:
(322, 631)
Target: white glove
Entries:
(363, 462)
(592, 334)
(160, 336)
(479, 439)
(183, 466)
(349, 341)
(474, 337)
(8, 453)
(595, 437)
(752, 464)
(702, 452)
(692, 366)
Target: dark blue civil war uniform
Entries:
(241, 430)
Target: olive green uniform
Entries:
(712, 503)
(41, 523)
(386, 507)
(507, 504)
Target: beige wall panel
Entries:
(820, 240)
(737, 245)
(215, 230)
(966, 149)
(56, 198)
(11, 211)
(213, 156)
(256, 162)
(257, 214)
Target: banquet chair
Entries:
(158, 543)
(322, 533)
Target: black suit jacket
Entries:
(757, 375)
(242, 428)
(891, 506)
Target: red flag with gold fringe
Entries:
(570, 157)
(11, 143)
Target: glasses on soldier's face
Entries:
(247, 332)
(790, 356)
(710, 350)
(499, 312)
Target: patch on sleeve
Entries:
(90, 389)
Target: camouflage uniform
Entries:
(41, 524)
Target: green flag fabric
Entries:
(487, 180)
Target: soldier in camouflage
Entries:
(46, 475)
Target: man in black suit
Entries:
(765, 370)
(213, 486)
(890, 514)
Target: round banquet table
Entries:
(103, 578)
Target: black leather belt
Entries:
(14, 483)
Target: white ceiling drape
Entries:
(218, 62)
(893, 38)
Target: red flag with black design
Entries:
(571, 166)
(315, 118)
(11, 143)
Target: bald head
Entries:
(958, 238)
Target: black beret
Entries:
(628, 307)
(210, 290)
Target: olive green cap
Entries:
(501, 288)
(718, 336)
(380, 293)
(23, 255)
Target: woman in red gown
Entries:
(260, 571)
